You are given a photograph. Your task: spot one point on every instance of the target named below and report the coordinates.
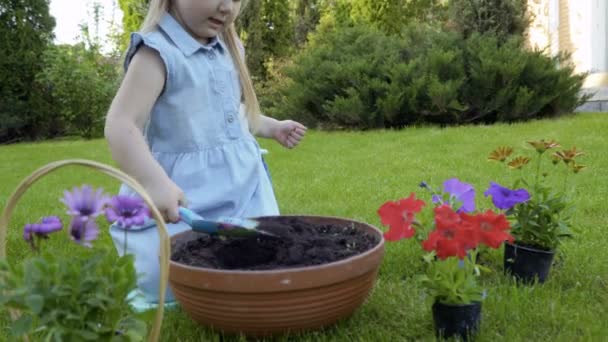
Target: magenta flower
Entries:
(127, 211)
(505, 198)
(459, 191)
(47, 225)
(83, 203)
(83, 231)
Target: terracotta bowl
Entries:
(276, 302)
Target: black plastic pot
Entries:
(456, 320)
(527, 263)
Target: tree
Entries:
(267, 32)
(308, 14)
(503, 18)
(390, 16)
(26, 29)
(133, 14)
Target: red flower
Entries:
(489, 227)
(445, 216)
(449, 241)
(450, 237)
(399, 216)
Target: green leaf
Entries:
(87, 335)
(35, 302)
(22, 325)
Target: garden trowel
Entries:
(227, 226)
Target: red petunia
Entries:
(449, 241)
(399, 215)
(489, 227)
(445, 216)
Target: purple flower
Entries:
(127, 211)
(504, 198)
(83, 232)
(47, 225)
(83, 203)
(462, 192)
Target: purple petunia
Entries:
(505, 198)
(127, 211)
(83, 232)
(462, 192)
(47, 225)
(84, 203)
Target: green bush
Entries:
(506, 83)
(338, 80)
(425, 82)
(358, 77)
(82, 83)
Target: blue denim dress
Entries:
(198, 135)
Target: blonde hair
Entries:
(157, 8)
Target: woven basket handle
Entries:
(121, 176)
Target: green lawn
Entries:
(350, 174)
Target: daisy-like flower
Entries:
(518, 162)
(568, 156)
(577, 167)
(127, 211)
(83, 232)
(46, 226)
(501, 153)
(84, 203)
(399, 216)
(541, 146)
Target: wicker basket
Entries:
(121, 176)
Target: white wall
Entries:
(599, 36)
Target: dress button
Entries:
(230, 118)
(211, 55)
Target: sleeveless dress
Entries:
(200, 138)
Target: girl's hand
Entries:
(289, 133)
(167, 198)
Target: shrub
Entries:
(506, 83)
(338, 80)
(358, 77)
(82, 84)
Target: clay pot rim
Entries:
(517, 245)
(375, 249)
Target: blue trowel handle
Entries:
(188, 215)
(197, 222)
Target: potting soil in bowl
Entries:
(296, 243)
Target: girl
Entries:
(175, 124)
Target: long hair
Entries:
(230, 37)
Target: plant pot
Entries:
(527, 263)
(275, 302)
(456, 320)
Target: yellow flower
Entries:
(518, 162)
(501, 153)
(568, 156)
(542, 145)
(577, 167)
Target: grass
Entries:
(350, 174)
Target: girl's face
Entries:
(205, 19)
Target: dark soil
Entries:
(296, 243)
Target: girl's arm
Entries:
(130, 109)
(287, 132)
